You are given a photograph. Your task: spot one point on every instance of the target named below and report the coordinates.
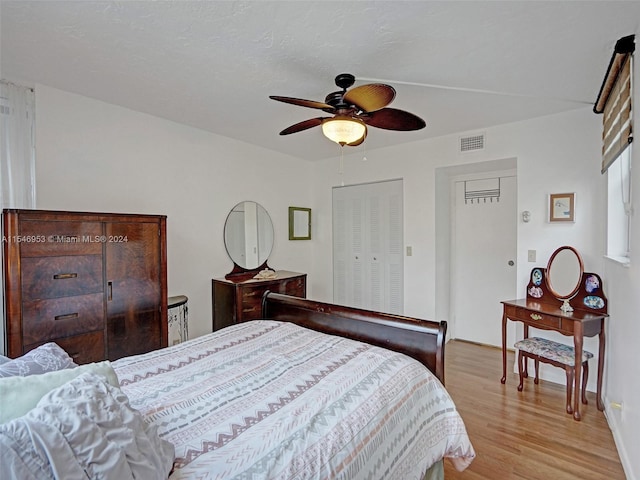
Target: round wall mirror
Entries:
(564, 273)
(248, 236)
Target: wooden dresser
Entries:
(239, 298)
(94, 283)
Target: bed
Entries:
(311, 391)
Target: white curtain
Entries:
(17, 147)
(17, 160)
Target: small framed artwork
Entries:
(562, 207)
(299, 223)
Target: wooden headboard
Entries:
(420, 339)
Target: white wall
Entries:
(93, 156)
(623, 368)
(555, 154)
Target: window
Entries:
(17, 146)
(615, 102)
(618, 207)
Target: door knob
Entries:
(511, 263)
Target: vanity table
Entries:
(248, 239)
(578, 309)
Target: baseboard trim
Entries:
(612, 416)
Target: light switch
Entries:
(409, 251)
(532, 256)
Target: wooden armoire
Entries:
(94, 283)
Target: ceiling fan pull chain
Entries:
(341, 169)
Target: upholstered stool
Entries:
(556, 354)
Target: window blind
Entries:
(615, 102)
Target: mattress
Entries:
(267, 399)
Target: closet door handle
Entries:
(62, 276)
(109, 291)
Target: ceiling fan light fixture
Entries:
(344, 130)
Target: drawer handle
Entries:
(66, 317)
(535, 316)
(62, 276)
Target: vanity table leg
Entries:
(601, 341)
(504, 347)
(577, 343)
(526, 363)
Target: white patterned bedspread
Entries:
(266, 399)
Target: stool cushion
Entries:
(545, 348)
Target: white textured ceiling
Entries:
(213, 64)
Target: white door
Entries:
(367, 246)
(484, 235)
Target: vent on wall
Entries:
(472, 143)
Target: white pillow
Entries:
(49, 357)
(18, 395)
(84, 429)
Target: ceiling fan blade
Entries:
(298, 127)
(303, 103)
(394, 119)
(371, 97)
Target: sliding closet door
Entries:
(367, 246)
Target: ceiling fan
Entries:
(353, 111)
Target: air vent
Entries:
(472, 143)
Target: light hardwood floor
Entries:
(524, 435)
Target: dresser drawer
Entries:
(535, 319)
(62, 317)
(87, 348)
(251, 300)
(42, 238)
(253, 293)
(294, 286)
(251, 296)
(52, 277)
(251, 310)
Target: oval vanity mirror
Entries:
(248, 236)
(564, 274)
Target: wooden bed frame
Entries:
(420, 339)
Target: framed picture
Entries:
(562, 207)
(299, 223)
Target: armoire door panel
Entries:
(133, 288)
(133, 332)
